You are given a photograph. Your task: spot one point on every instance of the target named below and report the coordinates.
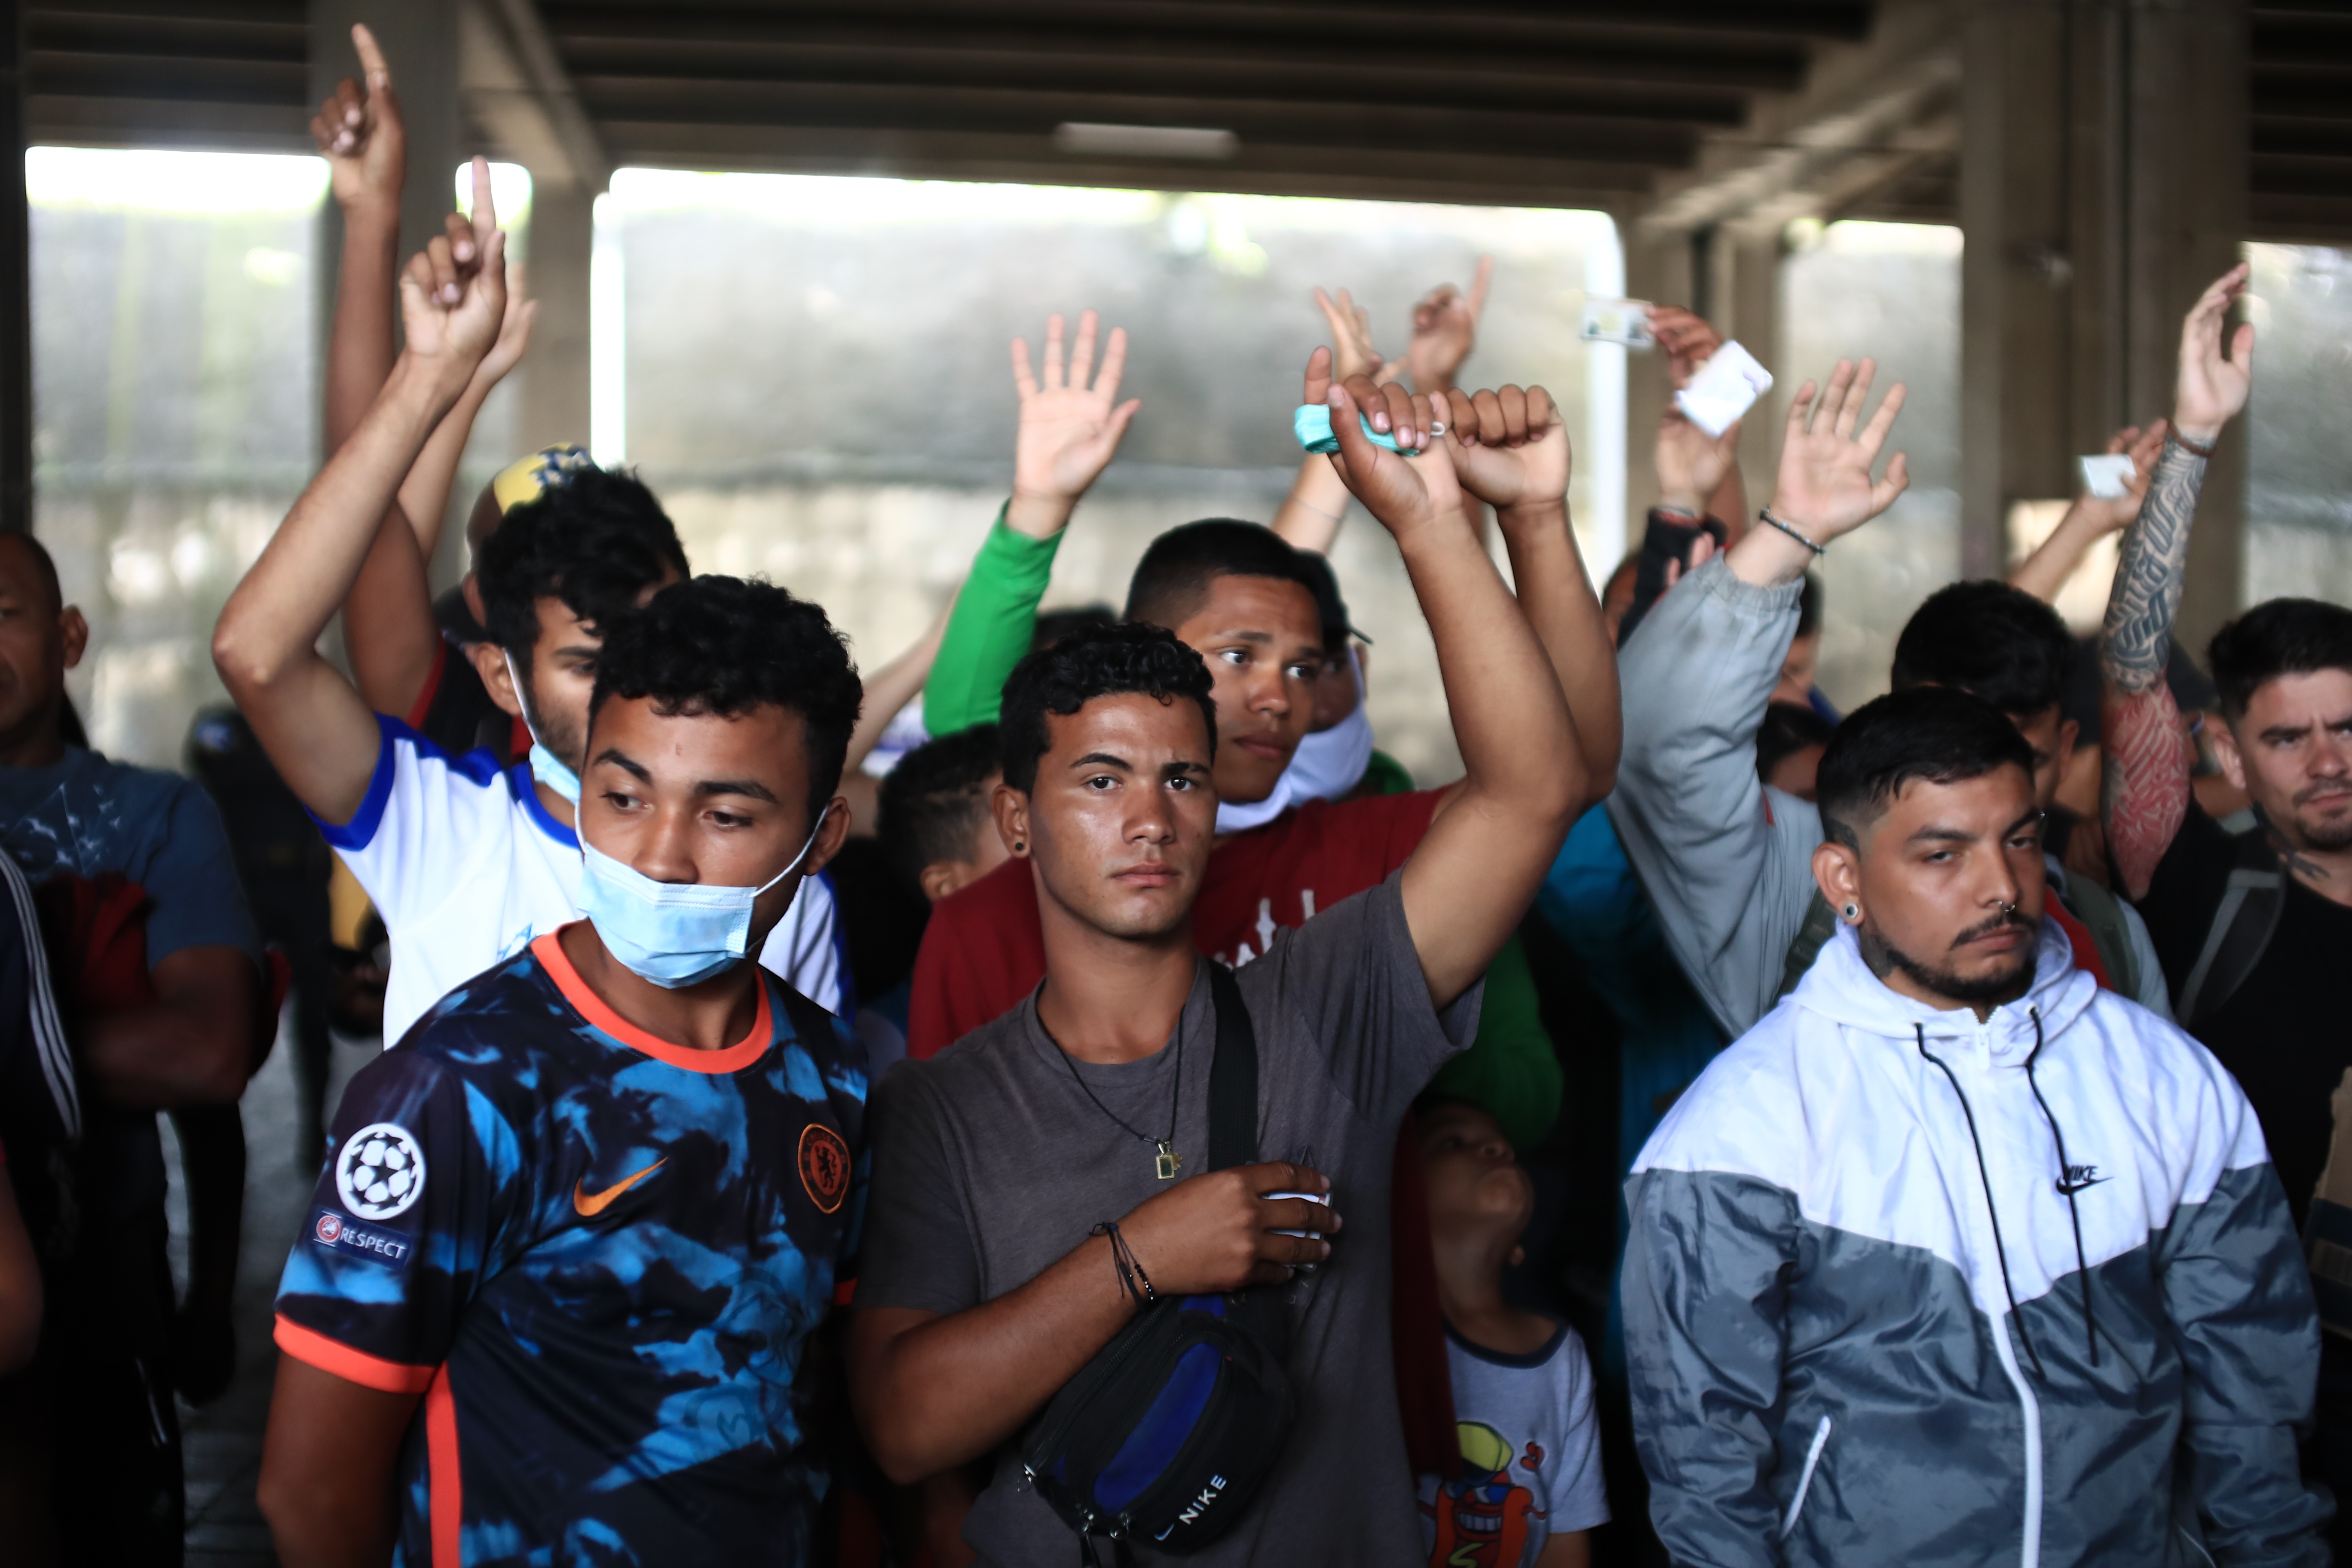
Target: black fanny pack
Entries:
(1165, 1436)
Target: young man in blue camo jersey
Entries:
(555, 1286)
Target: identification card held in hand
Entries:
(1622, 321)
(1323, 1198)
(1724, 388)
(2107, 475)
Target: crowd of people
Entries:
(1067, 1096)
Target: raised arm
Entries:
(2091, 518)
(318, 732)
(1309, 516)
(1068, 433)
(1524, 776)
(2143, 788)
(360, 133)
(1511, 451)
(1730, 875)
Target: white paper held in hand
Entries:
(1625, 323)
(2107, 475)
(1724, 388)
(1323, 1198)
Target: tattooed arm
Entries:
(2144, 788)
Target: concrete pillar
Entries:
(15, 287)
(2103, 184)
(2186, 167)
(420, 44)
(554, 402)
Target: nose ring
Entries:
(2008, 909)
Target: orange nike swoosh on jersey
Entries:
(591, 1205)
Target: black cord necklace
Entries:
(1165, 1161)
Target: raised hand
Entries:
(1071, 420)
(1405, 493)
(1445, 328)
(514, 333)
(1688, 340)
(1352, 339)
(454, 309)
(1690, 462)
(1826, 488)
(2105, 514)
(2212, 386)
(360, 133)
(1509, 447)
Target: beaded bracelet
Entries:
(1766, 516)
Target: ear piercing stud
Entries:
(1853, 914)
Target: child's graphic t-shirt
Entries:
(1530, 1456)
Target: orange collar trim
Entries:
(592, 1008)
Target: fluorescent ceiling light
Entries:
(1144, 140)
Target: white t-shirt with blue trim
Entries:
(466, 866)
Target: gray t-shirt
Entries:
(990, 1165)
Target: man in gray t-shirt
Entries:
(982, 1289)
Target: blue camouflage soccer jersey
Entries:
(597, 1256)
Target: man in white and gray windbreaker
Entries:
(1957, 1256)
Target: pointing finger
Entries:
(486, 205)
(371, 60)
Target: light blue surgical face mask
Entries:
(672, 934)
(545, 766)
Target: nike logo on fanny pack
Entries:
(591, 1205)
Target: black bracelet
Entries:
(1766, 516)
(1131, 1272)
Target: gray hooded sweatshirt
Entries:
(1729, 862)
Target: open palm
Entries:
(1825, 487)
(1069, 430)
(2213, 386)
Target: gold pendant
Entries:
(1167, 1162)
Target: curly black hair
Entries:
(596, 542)
(1105, 661)
(723, 645)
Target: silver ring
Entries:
(1438, 427)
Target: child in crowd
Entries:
(1528, 1490)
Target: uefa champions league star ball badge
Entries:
(381, 1172)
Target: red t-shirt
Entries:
(985, 951)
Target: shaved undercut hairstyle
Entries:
(595, 543)
(1173, 577)
(1108, 661)
(723, 645)
(1938, 733)
(2278, 636)
(2000, 642)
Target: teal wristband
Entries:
(1312, 425)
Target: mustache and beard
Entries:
(2004, 982)
(2325, 836)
